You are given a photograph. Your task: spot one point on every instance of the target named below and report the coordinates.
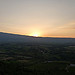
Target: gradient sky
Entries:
(49, 18)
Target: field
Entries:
(35, 59)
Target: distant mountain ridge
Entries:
(10, 38)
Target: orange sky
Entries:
(47, 18)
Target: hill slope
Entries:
(10, 38)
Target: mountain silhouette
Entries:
(15, 38)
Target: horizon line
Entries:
(38, 36)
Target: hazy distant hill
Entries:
(10, 38)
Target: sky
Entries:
(47, 18)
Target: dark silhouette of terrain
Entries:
(15, 38)
(28, 55)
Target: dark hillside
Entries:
(10, 38)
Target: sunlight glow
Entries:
(35, 34)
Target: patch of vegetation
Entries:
(33, 59)
(19, 68)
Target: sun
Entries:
(35, 34)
